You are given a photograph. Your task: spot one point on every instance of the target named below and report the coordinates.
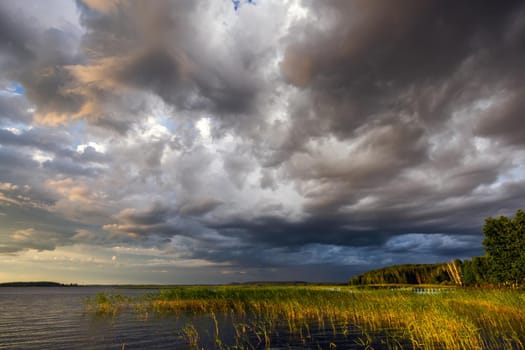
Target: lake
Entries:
(249, 317)
(56, 318)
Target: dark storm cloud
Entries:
(39, 58)
(11, 159)
(164, 221)
(160, 49)
(155, 215)
(30, 239)
(65, 161)
(91, 155)
(504, 120)
(350, 135)
(200, 206)
(43, 139)
(36, 57)
(392, 76)
(144, 225)
(13, 37)
(13, 109)
(68, 168)
(38, 162)
(367, 229)
(365, 61)
(272, 231)
(28, 219)
(436, 244)
(128, 49)
(34, 228)
(55, 141)
(382, 46)
(19, 169)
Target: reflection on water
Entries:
(56, 318)
(258, 335)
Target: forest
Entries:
(502, 265)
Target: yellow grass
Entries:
(453, 319)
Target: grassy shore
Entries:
(257, 317)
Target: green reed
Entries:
(399, 318)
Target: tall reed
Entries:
(259, 316)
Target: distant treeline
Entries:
(502, 265)
(407, 274)
(36, 284)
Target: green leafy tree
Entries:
(505, 246)
(475, 272)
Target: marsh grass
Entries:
(109, 304)
(240, 317)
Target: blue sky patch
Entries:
(16, 88)
(167, 122)
(237, 3)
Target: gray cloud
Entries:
(36, 56)
(503, 120)
(364, 63)
(13, 108)
(134, 48)
(43, 139)
(200, 206)
(65, 160)
(272, 141)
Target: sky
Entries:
(200, 141)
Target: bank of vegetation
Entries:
(242, 317)
(502, 265)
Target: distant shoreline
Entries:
(162, 286)
(37, 284)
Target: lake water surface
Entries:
(56, 318)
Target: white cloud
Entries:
(96, 146)
(203, 125)
(42, 156)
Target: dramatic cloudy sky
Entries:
(218, 141)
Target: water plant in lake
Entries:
(258, 317)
